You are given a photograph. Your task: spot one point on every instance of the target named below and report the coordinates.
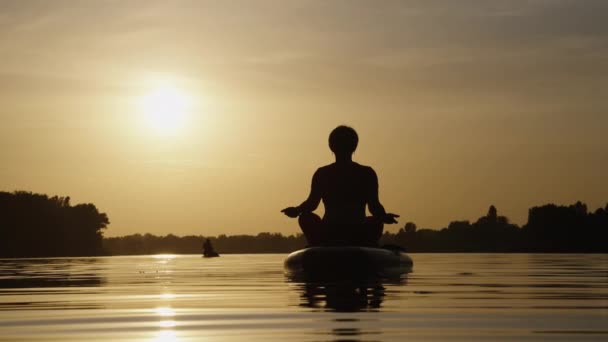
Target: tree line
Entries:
(550, 229)
(36, 225)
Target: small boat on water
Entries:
(210, 255)
(352, 262)
(208, 251)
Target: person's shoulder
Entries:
(365, 168)
(323, 170)
(368, 175)
(327, 168)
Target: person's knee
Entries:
(311, 227)
(374, 222)
(374, 229)
(308, 219)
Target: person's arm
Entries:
(374, 205)
(314, 198)
(374, 201)
(311, 203)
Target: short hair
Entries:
(343, 139)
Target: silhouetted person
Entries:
(345, 187)
(208, 250)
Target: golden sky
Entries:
(458, 105)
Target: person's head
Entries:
(343, 140)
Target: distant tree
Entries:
(459, 226)
(553, 228)
(35, 225)
(579, 208)
(492, 216)
(410, 227)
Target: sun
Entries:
(165, 109)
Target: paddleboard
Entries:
(347, 262)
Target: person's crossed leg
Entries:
(319, 233)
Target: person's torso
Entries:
(345, 192)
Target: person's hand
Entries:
(292, 212)
(389, 218)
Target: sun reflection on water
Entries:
(165, 312)
(167, 324)
(164, 259)
(167, 296)
(165, 256)
(165, 336)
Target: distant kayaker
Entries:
(346, 188)
(208, 250)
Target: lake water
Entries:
(447, 297)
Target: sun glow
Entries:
(165, 109)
